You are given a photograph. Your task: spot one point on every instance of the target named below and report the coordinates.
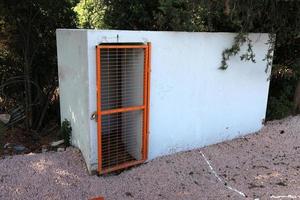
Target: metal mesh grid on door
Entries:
(122, 98)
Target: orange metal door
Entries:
(123, 76)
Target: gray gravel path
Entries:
(264, 165)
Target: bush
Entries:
(2, 130)
(279, 107)
(66, 132)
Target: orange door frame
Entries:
(144, 107)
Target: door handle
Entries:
(94, 116)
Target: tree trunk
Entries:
(45, 107)
(297, 98)
(28, 99)
(226, 7)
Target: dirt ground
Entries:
(31, 141)
(264, 165)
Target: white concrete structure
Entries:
(192, 102)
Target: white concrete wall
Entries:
(74, 86)
(192, 102)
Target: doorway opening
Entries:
(122, 105)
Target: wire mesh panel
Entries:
(122, 98)
(121, 138)
(122, 76)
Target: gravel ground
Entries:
(265, 165)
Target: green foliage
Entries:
(239, 40)
(28, 54)
(279, 107)
(166, 15)
(269, 56)
(90, 14)
(66, 132)
(172, 15)
(276, 17)
(130, 14)
(282, 91)
(2, 131)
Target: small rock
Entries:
(281, 183)
(60, 149)
(7, 145)
(4, 118)
(44, 150)
(282, 132)
(128, 194)
(19, 148)
(56, 143)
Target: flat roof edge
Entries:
(114, 30)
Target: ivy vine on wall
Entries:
(239, 40)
